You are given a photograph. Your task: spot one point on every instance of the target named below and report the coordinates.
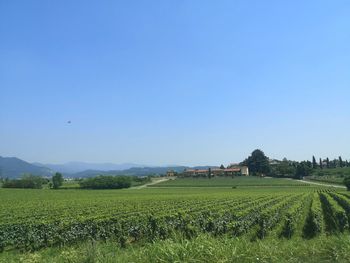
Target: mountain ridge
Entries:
(13, 167)
(76, 167)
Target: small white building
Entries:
(245, 170)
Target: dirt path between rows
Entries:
(156, 181)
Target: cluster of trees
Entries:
(106, 182)
(291, 169)
(26, 181)
(326, 163)
(259, 164)
(99, 182)
(33, 182)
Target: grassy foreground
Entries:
(203, 248)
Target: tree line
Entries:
(259, 164)
(56, 182)
(328, 164)
(33, 182)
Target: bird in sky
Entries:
(69, 122)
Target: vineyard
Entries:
(237, 181)
(45, 218)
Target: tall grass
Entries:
(203, 248)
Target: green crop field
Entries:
(54, 225)
(238, 181)
(326, 179)
(333, 172)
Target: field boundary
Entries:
(322, 184)
(151, 183)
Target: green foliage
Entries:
(335, 216)
(46, 218)
(272, 215)
(57, 180)
(106, 182)
(344, 202)
(303, 169)
(347, 182)
(35, 219)
(314, 221)
(314, 163)
(138, 180)
(257, 163)
(203, 248)
(330, 175)
(238, 181)
(26, 181)
(328, 179)
(283, 169)
(293, 215)
(336, 163)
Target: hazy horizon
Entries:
(174, 82)
(172, 164)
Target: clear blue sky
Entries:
(174, 82)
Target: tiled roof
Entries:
(213, 170)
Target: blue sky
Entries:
(174, 82)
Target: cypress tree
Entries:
(341, 164)
(321, 164)
(314, 163)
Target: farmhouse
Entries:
(171, 173)
(240, 170)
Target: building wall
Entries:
(245, 170)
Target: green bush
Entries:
(139, 179)
(57, 180)
(347, 182)
(106, 182)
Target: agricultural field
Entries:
(340, 172)
(237, 181)
(331, 176)
(331, 179)
(134, 223)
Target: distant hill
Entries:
(12, 167)
(136, 171)
(77, 167)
